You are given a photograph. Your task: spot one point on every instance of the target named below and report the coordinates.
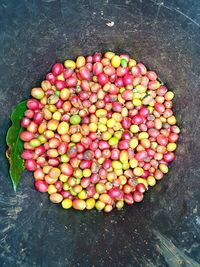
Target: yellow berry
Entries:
(111, 123)
(116, 164)
(143, 135)
(169, 96)
(82, 194)
(93, 127)
(115, 61)
(124, 112)
(163, 168)
(109, 54)
(133, 163)
(138, 171)
(87, 172)
(132, 63)
(136, 96)
(151, 181)
(63, 128)
(80, 62)
(66, 203)
(52, 189)
(171, 120)
(117, 116)
(133, 142)
(117, 126)
(134, 128)
(100, 113)
(90, 203)
(137, 102)
(70, 64)
(141, 89)
(171, 147)
(102, 127)
(119, 172)
(103, 120)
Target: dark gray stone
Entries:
(164, 229)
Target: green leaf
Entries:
(15, 144)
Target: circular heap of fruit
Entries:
(99, 131)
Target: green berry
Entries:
(75, 119)
(123, 62)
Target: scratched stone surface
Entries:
(164, 230)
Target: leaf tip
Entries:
(15, 187)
